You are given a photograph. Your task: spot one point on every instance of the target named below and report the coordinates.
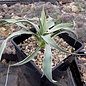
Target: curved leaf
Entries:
(50, 22)
(3, 45)
(50, 41)
(27, 59)
(33, 19)
(47, 63)
(14, 21)
(28, 22)
(58, 32)
(63, 26)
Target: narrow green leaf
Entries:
(47, 63)
(14, 21)
(8, 20)
(50, 22)
(3, 45)
(65, 27)
(42, 18)
(43, 21)
(28, 22)
(58, 32)
(19, 33)
(27, 59)
(61, 26)
(50, 41)
(33, 19)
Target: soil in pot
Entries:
(29, 45)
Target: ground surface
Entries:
(69, 12)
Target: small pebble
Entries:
(75, 8)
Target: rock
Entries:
(4, 6)
(67, 10)
(66, 18)
(75, 8)
(60, 56)
(71, 4)
(2, 29)
(1, 17)
(1, 37)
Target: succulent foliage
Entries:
(44, 35)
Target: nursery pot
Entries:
(9, 57)
(33, 73)
(76, 71)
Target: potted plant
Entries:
(44, 34)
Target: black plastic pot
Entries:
(76, 71)
(76, 74)
(33, 73)
(9, 57)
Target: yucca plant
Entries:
(44, 35)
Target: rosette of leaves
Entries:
(44, 34)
